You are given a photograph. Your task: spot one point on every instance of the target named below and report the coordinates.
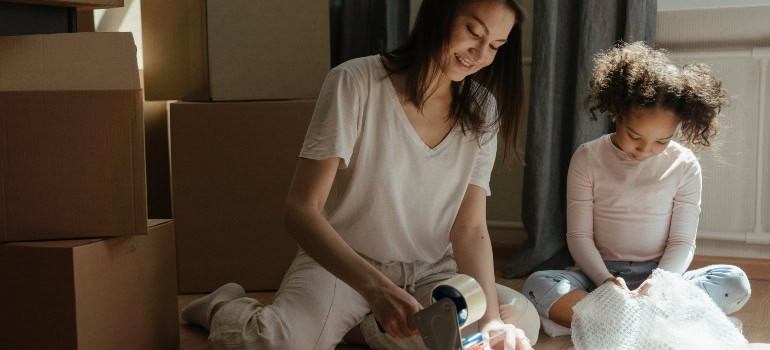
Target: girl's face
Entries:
(479, 29)
(645, 132)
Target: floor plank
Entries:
(756, 314)
(756, 269)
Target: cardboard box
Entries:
(199, 50)
(117, 293)
(231, 167)
(72, 157)
(80, 4)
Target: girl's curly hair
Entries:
(634, 74)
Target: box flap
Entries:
(71, 243)
(65, 243)
(66, 62)
(156, 222)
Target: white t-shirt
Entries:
(394, 199)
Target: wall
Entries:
(736, 194)
(504, 206)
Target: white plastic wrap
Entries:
(675, 314)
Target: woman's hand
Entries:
(394, 309)
(502, 336)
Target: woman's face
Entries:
(480, 28)
(645, 132)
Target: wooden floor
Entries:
(755, 315)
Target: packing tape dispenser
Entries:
(456, 303)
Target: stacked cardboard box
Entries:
(232, 162)
(235, 50)
(72, 168)
(73, 141)
(117, 293)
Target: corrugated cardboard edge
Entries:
(140, 169)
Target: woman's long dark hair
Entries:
(503, 79)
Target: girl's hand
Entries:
(394, 309)
(644, 287)
(502, 336)
(620, 282)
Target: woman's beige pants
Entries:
(313, 309)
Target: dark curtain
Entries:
(366, 27)
(566, 35)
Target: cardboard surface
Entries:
(117, 293)
(68, 62)
(235, 49)
(72, 157)
(231, 166)
(81, 4)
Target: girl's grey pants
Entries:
(727, 285)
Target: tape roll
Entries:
(467, 296)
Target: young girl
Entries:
(389, 194)
(633, 196)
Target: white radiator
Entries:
(736, 190)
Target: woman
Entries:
(389, 195)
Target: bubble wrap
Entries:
(675, 314)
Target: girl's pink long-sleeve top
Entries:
(620, 209)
